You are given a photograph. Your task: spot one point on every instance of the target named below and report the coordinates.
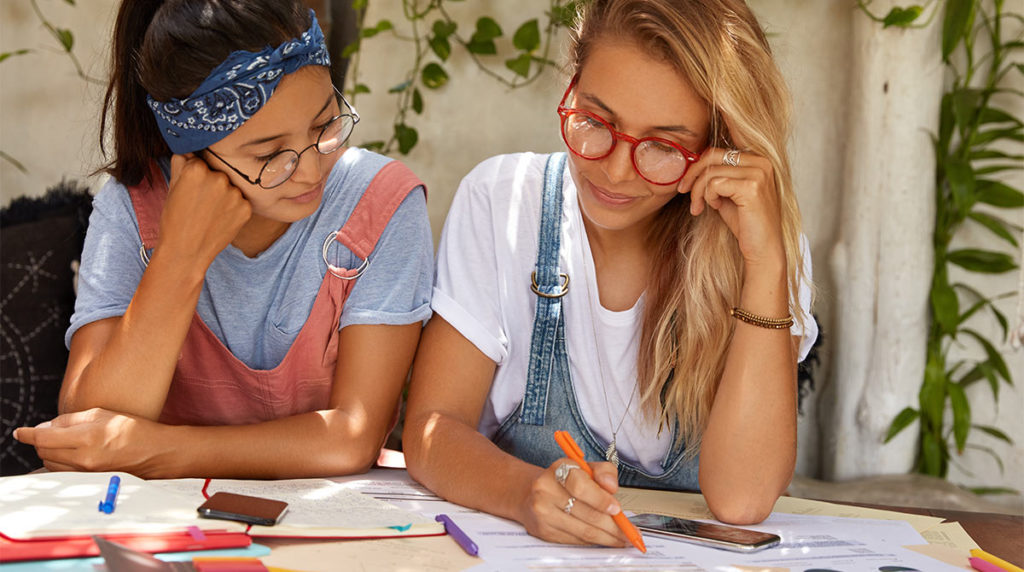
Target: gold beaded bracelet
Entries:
(760, 321)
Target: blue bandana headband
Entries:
(235, 90)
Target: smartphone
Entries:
(714, 535)
(243, 508)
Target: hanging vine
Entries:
(432, 34)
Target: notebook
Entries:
(317, 508)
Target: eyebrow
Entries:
(278, 136)
(679, 129)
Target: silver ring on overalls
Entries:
(331, 267)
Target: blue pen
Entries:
(107, 504)
(458, 535)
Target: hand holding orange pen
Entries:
(573, 451)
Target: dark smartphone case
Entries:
(243, 508)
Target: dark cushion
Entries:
(39, 240)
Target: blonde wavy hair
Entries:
(719, 47)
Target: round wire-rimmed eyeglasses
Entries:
(282, 165)
(589, 136)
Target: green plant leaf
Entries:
(17, 164)
(961, 183)
(482, 47)
(995, 433)
(434, 76)
(441, 46)
(901, 17)
(970, 312)
(985, 137)
(905, 418)
(486, 29)
(992, 453)
(946, 124)
(956, 23)
(444, 28)
(360, 88)
(350, 49)
(407, 138)
(994, 358)
(931, 452)
(994, 224)
(377, 146)
(6, 55)
(67, 39)
(417, 101)
(961, 414)
(358, 5)
(983, 154)
(527, 37)
(520, 65)
(993, 115)
(999, 194)
(994, 491)
(965, 106)
(932, 396)
(399, 88)
(945, 305)
(984, 261)
(995, 169)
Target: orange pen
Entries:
(573, 451)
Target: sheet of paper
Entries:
(951, 556)
(40, 505)
(428, 554)
(692, 505)
(321, 503)
(851, 545)
(950, 535)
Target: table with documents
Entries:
(816, 535)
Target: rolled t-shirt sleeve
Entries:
(467, 287)
(395, 287)
(809, 332)
(110, 268)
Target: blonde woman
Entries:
(648, 290)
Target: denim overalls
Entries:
(549, 403)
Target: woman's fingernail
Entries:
(43, 425)
(614, 508)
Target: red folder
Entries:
(80, 547)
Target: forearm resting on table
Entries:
(323, 443)
(126, 364)
(461, 465)
(748, 450)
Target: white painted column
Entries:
(882, 260)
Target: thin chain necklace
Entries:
(611, 453)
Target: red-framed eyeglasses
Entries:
(589, 136)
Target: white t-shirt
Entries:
(487, 251)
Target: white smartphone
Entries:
(713, 535)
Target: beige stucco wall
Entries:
(48, 119)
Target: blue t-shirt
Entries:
(257, 306)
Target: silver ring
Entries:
(568, 505)
(334, 269)
(731, 158)
(562, 472)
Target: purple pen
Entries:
(458, 535)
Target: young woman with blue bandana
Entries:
(648, 290)
(251, 291)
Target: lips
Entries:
(308, 196)
(609, 198)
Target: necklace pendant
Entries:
(611, 454)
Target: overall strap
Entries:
(148, 198)
(379, 202)
(549, 286)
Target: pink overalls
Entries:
(213, 387)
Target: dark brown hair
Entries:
(166, 49)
